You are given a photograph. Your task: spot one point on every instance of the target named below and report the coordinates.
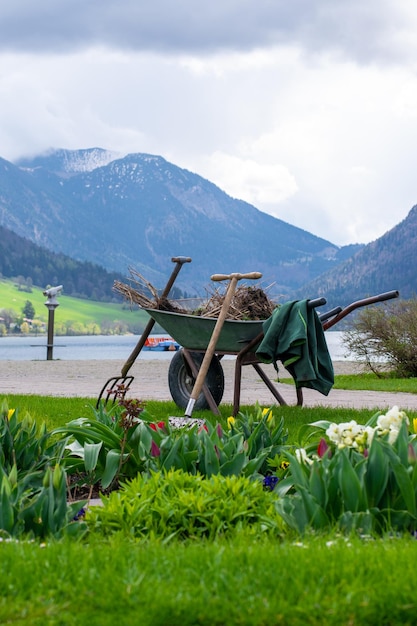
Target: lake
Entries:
(106, 347)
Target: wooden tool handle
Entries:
(198, 385)
(181, 259)
(250, 276)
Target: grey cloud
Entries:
(356, 28)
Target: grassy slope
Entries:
(74, 309)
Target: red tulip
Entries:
(155, 451)
(322, 448)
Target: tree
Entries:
(28, 310)
(24, 328)
(9, 317)
(386, 336)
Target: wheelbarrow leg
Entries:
(247, 357)
(123, 382)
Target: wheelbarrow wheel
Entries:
(181, 380)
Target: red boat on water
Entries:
(161, 343)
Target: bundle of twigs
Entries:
(248, 302)
(141, 292)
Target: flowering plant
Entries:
(363, 478)
(353, 435)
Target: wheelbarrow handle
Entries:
(250, 276)
(181, 259)
(382, 297)
(179, 262)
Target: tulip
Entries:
(155, 451)
(230, 421)
(322, 448)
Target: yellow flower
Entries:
(10, 413)
(267, 412)
(230, 421)
(415, 424)
(284, 465)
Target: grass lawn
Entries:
(283, 579)
(316, 581)
(370, 382)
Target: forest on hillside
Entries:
(29, 264)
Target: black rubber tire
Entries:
(181, 382)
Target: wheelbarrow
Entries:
(237, 338)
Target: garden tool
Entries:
(120, 384)
(211, 348)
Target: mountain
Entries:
(386, 264)
(140, 210)
(31, 264)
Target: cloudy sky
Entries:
(305, 108)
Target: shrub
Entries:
(164, 505)
(388, 333)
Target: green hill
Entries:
(80, 313)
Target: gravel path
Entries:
(87, 378)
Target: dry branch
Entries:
(248, 303)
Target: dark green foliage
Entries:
(29, 310)
(21, 257)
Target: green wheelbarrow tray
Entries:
(194, 332)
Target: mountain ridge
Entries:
(386, 264)
(139, 210)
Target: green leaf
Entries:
(377, 472)
(292, 510)
(322, 424)
(111, 468)
(233, 466)
(172, 458)
(255, 464)
(211, 460)
(405, 486)
(317, 485)
(401, 444)
(91, 452)
(6, 508)
(315, 514)
(352, 490)
(362, 522)
(299, 471)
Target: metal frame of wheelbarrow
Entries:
(247, 356)
(119, 385)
